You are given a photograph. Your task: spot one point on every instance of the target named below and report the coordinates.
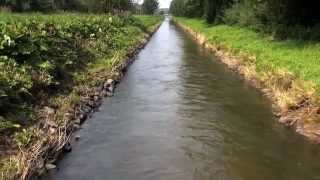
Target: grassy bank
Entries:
(287, 71)
(53, 69)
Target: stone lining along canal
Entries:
(179, 114)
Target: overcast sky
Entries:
(163, 3)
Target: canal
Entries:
(179, 114)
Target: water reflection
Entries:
(181, 115)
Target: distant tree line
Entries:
(150, 6)
(97, 6)
(66, 5)
(266, 15)
(210, 9)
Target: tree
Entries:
(177, 7)
(42, 5)
(214, 9)
(3, 2)
(18, 5)
(109, 6)
(210, 9)
(194, 8)
(265, 15)
(150, 6)
(189, 8)
(96, 6)
(137, 8)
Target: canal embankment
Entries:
(286, 71)
(181, 114)
(53, 97)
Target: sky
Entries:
(163, 3)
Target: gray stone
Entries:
(50, 166)
(111, 88)
(76, 127)
(67, 147)
(110, 81)
(96, 98)
(97, 93)
(77, 137)
(77, 121)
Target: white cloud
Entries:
(164, 3)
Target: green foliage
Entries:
(15, 82)
(5, 125)
(300, 58)
(108, 5)
(150, 6)
(292, 12)
(40, 55)
(188, 8)
(244, 14)
(274, 17)
(212, 10)
(267, 16)
(24, 137)
(97, 6)
(148, 22)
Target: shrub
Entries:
(41, 54)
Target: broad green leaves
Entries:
(40, 55)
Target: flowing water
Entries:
(179, 114)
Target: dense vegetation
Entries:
(53, 56)
(93, 6)
(268, 16)
(55, 61)
(68, 5)
(150, 6)
(42, 55)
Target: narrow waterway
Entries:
(179, 114)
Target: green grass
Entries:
(149, 20)
(302, 58)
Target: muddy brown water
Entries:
(179, 114)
